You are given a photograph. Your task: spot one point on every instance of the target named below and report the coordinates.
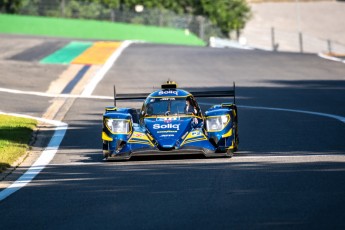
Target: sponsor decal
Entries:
(167, 119)
(167, 131)
(138, 135)
(167, 99)
(195, 133)
(167, 126)
(167, 135)
(167, 92)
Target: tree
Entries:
(9, 6)
(228, 15)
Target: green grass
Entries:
(91, 29)
(15, 134)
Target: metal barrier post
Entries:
(273, 39)
(201, 27)
(300, 42)
(329, 44)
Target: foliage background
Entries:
(204, 17)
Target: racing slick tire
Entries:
(105, 153)
(229, 153)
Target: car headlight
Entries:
(118, 125)
(217, 123)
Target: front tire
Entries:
(105, 150)
(105, 155)
(229, 153)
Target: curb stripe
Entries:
(97, 54)
(105, 68)
(69, 87)
(67, 53)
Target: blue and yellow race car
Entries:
(170, 122)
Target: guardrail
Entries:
(278, 40)
(226, 43)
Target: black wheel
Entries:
(229, 153)
(105, 149)
(105, 155)
(237, 140)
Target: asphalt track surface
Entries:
(288, 174)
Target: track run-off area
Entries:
(288, 172)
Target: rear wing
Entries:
(223, 92)
(219, 92)
(215, 92)
(129, 96)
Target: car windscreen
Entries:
(165, 106)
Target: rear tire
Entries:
(105, 150)
(236, 141)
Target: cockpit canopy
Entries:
(170, 106)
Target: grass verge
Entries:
(15, 134)
(91, 29)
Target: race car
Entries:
(170, 122)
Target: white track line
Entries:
(337, 117)
(40, 94)
(322, 55)
(46, 156)
(105, 68)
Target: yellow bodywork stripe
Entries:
(105, 137)
(97, 54)
(194, 140)
(228, 134)
(132, 141)
(232, 145)
(140, 137)
(193, 137)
